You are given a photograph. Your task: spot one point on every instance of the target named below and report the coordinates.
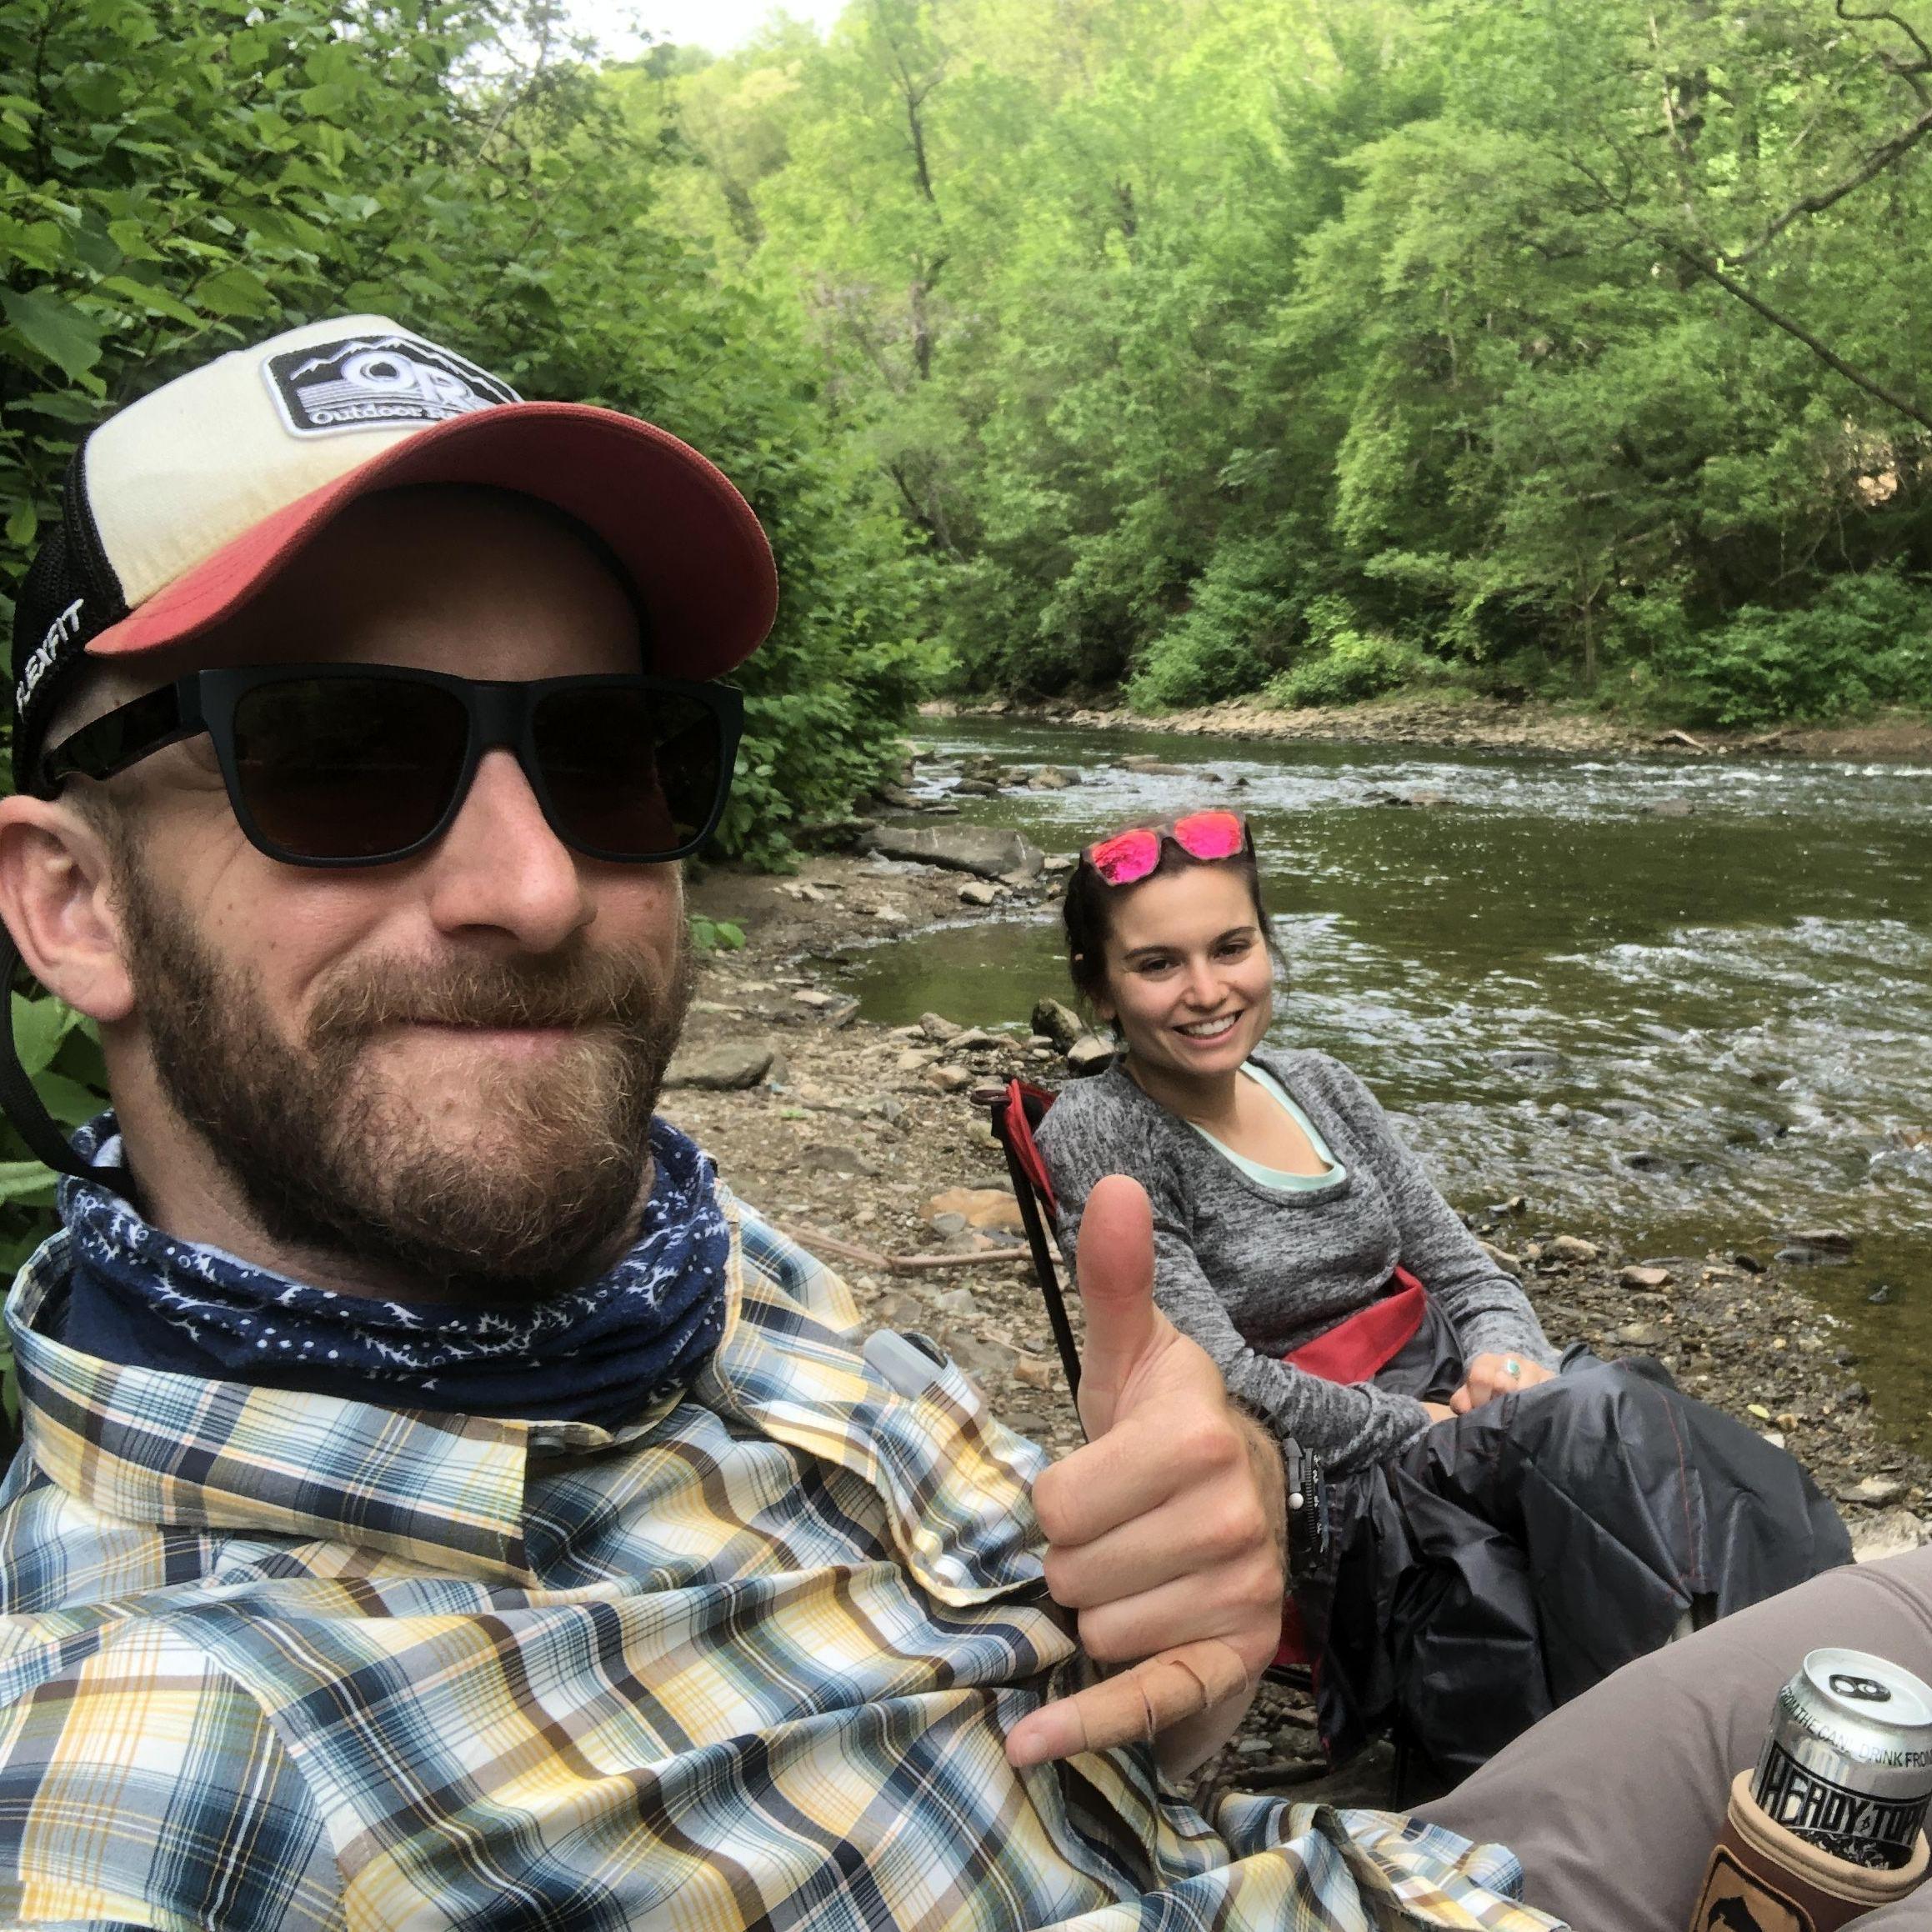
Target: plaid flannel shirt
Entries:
(285, 1660)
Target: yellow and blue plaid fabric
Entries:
(283, 1660)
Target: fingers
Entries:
(1115, 1268)
(1240, 1605)
(1462, 1402)
(1158, 1452)
(1192, 1534)
(1132, 1707)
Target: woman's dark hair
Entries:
(1087, 912)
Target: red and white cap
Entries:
(180, 507)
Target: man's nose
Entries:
(500, 865)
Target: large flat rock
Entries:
(983, 850)
(721, 1069)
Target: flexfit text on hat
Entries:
(178, 507)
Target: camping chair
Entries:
(1017, 1110)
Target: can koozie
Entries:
(1762, 1878)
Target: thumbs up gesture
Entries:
(1167, 1532)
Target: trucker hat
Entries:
(177, 509)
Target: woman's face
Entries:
(1190, 977)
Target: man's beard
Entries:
(328, 1157)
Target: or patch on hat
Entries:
(364, 382)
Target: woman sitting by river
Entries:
(1503, 1528)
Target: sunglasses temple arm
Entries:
(23, 1105)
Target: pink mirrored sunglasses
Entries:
(1130, 856)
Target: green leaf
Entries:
(154, 301)
(235, 291)
(22, 525)
(66, 1101)
(27, 1183)
(53, 329)
(39, 1026)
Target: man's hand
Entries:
(1489, 1376)
(1167, 1533)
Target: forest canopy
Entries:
(1567, 347)
(1317, 348)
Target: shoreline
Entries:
(854, 1131)
(1468, 721)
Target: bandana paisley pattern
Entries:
(600, 1353)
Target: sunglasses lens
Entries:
(1126, 857)
(348, 768)
(632, 773)
(1210, 834)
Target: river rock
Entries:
(1890, 1533)
(721, 1069)
(1645, 1280)
(1510, 1263)
(1053, 779)
(838, 1160)
(898, 797)
(1875, 1492)
(976, 788)
(1057, 1023)
(1058, 862)
(974, 1040)
(981, 1208)
(814, 997)
(1825, 1240)
(1093, 1052)
(935, 1026)
(1527, 1059)
(914, 1058)
(978, 892)
(1636, 1335)
(986, 850)
(1569, 1247)
(948, 1079)
(1035, 1374)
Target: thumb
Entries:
(1114, 1265)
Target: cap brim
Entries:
(695, 552)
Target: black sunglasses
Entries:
(364, 764)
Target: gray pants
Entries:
(1614, 1801)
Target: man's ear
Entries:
(55, 898)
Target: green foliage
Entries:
(179, 178)
(1238, 631)
(715, 935)
(1343, 665)
(1533, 333)
(1863, 643)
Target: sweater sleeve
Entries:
(1489, 1313)
(1346, 1425)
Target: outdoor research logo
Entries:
(368, 381)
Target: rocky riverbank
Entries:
(867, 1142)
(1476, 722)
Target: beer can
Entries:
(1848, 1764)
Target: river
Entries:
(1684, 1004)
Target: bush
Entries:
(1866, 641)
(1344, 665)
(1242, 623)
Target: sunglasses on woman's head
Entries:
(1130, 856)
(362, 764)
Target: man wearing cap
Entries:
(442, 1504)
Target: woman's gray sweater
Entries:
(1252, 1274)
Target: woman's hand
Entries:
(1439, 1412)
(1493, 1375)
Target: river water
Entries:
(1685, 1029)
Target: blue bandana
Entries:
(597, 1353)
